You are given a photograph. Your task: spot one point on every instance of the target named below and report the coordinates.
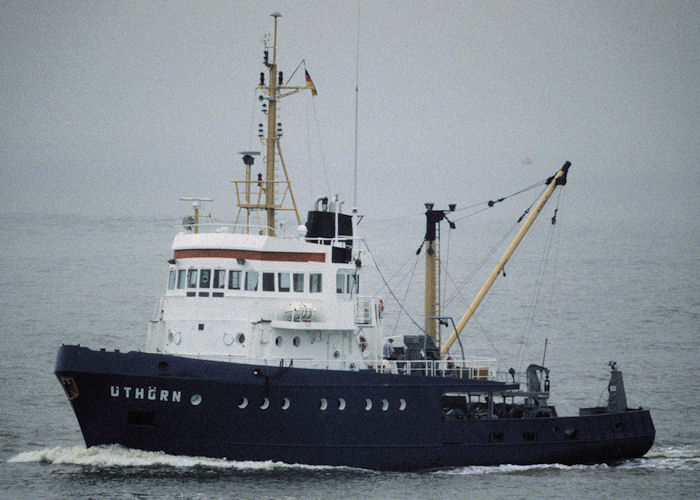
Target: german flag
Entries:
(310, 84)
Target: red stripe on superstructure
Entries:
(250, 254)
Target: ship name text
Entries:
(151, 393)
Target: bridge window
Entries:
(298, 279)
(347, 283)
(171, 279)
(234, 280)
(219, 278)
(315, 283)
(340, 283)
(181, 278)
(251, 281)
(268, 282)
(204, 278)
(191, 278)
(283, 282)
(353, 284)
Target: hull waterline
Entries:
(186, 406)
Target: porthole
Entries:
(571, 433)
(323, 404)
(264, 403)
(341, 404)
(336, 354)
(368, 404)
(385, 405)
(243, 402)
(285, 403)
(278, 341)
(196, 399)
(241, 338)
(296, 341)
(402, 404)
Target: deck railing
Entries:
(254, 229)
(473, 368)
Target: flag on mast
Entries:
(310, 84)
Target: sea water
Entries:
(618, 294)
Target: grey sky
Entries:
(123, 107)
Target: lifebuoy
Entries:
(363, 343)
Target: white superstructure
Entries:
(262, 299)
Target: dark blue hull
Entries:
(193, 407)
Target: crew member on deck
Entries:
(389, 349)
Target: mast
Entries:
(261, 194)
(196, 205)
(432, 268)
(558, 179)
(271, 135)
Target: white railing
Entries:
(321, 364)
(253, 229)
(474, 367)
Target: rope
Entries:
(391, 291)
(295, 71)
(447, 260)
(549, 243)
(252, 121)
(320, 147)
(395, 273)
(408, 288)
(489, 204)
(481, 264)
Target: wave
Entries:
(510, 468)
(667, 458)
(662, 458)
(119, 456)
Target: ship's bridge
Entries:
(252, 296)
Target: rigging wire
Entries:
(303, 61)
(447, 260)
(491, 203)
(320, 148)
(408, 289)
(252, 121)
(458, 287)
(410, 257)
(543, 265)
(481, 264)
(357, 94)
(549, 309)
(488, 203)
(401, 306)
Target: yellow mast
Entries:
(273, 91)
(558, 179)
(271, 135)
(432, 268)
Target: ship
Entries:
(264, 348)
